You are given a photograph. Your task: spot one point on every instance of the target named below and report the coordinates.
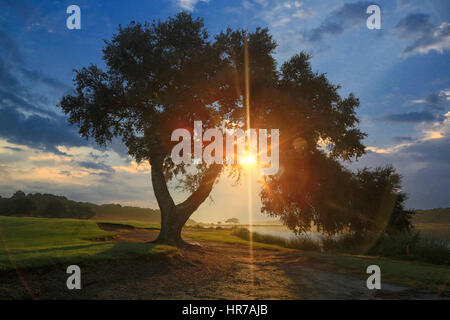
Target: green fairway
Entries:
(33, 242)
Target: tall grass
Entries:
(300, 243)
(405, 245)
(348, 243)
(411, 246)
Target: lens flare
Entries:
(249, 160)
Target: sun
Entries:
(249, 160)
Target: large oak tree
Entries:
(162, 76)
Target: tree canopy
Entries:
(165, 75)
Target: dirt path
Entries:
(211, 271)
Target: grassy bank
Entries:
(35, 242)
(301, 243)
(406, 246)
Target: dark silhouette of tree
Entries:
(165, 75)
(81, 211)
(54, 209)
(45, 205)
(378, 203)
(18, 195)
(232, 221)
(18, 204)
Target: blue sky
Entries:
(401, 74)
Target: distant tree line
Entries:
(119, 212)
(52, 206)
(44, 205)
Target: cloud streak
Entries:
(421, 116)
(424, 35)
(347, 16)
(433, 104)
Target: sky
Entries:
(400, 73)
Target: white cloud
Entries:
(438, 100)
(281, 22)
(280, 14)
(247, 4)
(189, 4)
(304, 14)
(263, 3)
(438, 40)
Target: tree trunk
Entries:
(173, 217)
(171, 225)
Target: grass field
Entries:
(35, 242)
